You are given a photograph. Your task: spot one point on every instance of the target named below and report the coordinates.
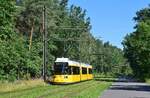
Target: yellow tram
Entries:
(67, 71)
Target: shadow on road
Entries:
(126, 84)
(133, 87)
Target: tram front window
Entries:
(61, 68)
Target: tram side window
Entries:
(90, 71)
(76, 70)
(84, 70)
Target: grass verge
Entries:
(148, 81)
(38, 89)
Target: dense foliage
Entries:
(137, 45)
(21, 39)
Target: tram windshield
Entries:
(61, 68)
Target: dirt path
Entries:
(127, 90)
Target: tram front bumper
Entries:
(60, 79)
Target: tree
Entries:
(136, 45)
(9, 42)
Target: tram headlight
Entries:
(65, 77)
(54, 76)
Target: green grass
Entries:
(148, 81)
(87, 89)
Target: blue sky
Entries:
(111, 19)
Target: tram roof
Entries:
(70, 61)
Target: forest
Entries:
(68, 35)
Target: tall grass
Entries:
(21, 84)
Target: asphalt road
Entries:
(127, 90)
